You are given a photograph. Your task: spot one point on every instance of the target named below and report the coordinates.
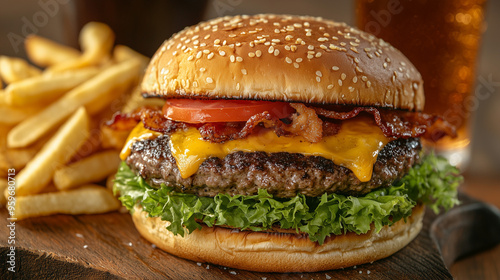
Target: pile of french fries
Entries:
(51, 122)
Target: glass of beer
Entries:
(442, 40)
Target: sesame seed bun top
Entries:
(285, 58)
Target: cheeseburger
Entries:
(285, 144)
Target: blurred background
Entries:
(143, 25)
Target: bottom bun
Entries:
(277, 251)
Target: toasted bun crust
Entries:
(279, 252)
(284, 58)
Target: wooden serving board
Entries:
(108, 246)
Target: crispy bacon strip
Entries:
(398, 124)
(306, 123)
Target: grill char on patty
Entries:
(282, 174)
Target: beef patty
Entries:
(282, 174)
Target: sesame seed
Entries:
(296, 65)
(210, 55)
(388, 60)
(343, 76)
(367, 49)
(353, 44)
(364, 78)
(207, 36)
(209, 80)
(318, 73)
(351, 89)
(369, 55)
(306, 24)
(203, 44)
(271, 49)
(222, 53)
(258, 53)
(402, 63)
(231, 58)
(293, 48)
(330, 86)
(310, 56)
(190, 58)
(299, 59)
(310, 47)
(252, 44)
(343, 44)
(318, 54)
(239, 58)
(231, 35)
(251, 54)
(356, 60)
(335, 68)
(238, 44)
(323, 47)
(238, 86)
(276, 52)
(385, 65)
(335, 38)
(275, 40)
(244, 71)
(340, 82)
(322, 39)
(368, 84)
(359, 69)
(355, 79)
(206, 51)
(288, 37)
(354, 49)
(288, 60)
(318, 79)
(202, 69)
(199, 54)
(216, 41)
(298, 25)
(276, 30)
(287, 47)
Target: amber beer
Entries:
(442, 40)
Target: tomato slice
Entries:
(202, 111)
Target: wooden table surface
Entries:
(486, 264)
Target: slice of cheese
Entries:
(355, 147)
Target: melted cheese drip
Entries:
(355, 147)
(138, 133)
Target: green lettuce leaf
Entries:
(433, 182)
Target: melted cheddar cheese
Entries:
(355, 147)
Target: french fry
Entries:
(112, 138)
(44, 52)
(90, 169)
(13, 115)
(45, 88)
(110, 181)
(89, 199)
(96, 41)
(15, 158)
(96, 88)
(14, 69)
(122, 53)
(57, 151)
